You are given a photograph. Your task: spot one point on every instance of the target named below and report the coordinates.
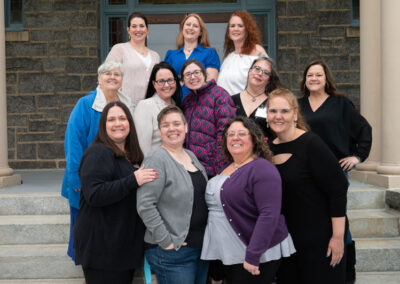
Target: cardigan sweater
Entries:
(82, 127)
(108, 233)
(165, 204)
(136, 74)
(207, 111)
(251, 198)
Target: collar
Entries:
(100, 100)
(199, 47)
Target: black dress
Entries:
(314, 190)
(108, 232)
(259, 115)
(340, 125)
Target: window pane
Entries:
(356, 9)
(116, 30)
(16, 11)
(116, 2)
(262, 25)
(183, 1)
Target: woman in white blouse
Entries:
(163, 89)
(136, 58)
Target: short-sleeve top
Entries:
(136, 73)
(234, 72)
(208, 57)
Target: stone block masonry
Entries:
(50, 65)
(309, 30)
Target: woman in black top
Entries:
(108, 232)
(262, 79)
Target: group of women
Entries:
(179, 168)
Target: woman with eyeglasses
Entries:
(207, 108)
(314, 196)
(262, 79)
(163, 90)
(245, 228)
(242, 46)
(193, 43)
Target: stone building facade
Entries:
(53, 62)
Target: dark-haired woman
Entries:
(164, 89)
(242, 46)
(136, 58)
(262, 79)
(108, 233)
(334, 118)
(245, 228)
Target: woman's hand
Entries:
(349, 162)
(170, 247)
(143, 175)
(336, 249)
(254, 270)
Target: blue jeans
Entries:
(178, 267)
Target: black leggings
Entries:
(236, 274)
(97, 276)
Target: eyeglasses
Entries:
(258, 70)
(188, 75)
(241, 134)
(109, 73)
(162, 82)
(282, 111)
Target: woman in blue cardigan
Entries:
(82, 129)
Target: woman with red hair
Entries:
(242, 47)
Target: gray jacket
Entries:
(165, 204)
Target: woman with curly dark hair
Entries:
(263, 78)
(242, 46)
(245, 228)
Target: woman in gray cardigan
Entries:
(173, 207)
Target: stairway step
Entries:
(44, 281)
(37, 262)
(33, 204)
(34, 229)
(378, 255)
(373, 223)
(365, 198)
(377, 277)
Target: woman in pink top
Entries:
(136, 58)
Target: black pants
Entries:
(236, 274)
(95, 276)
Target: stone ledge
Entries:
(393, 198)
(371, 177)
(17, 36)
(8, 181)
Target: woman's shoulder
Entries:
(86, 101)
(98, 149)
(259, 51)
(154, 54)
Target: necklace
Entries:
(253, 97)
(238, 165)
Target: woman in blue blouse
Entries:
(193, 43)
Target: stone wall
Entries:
(50, 65)
(318, 29)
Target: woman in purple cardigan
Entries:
(245, 229)
(207, 109)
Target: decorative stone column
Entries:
(7, 178)
(390, 98)
(370, 79)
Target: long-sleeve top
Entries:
(108, 232)
(314, 190)
(251, 199)
(136, 73)
(145, 118)
(81, 130)
(165, 204)
(340, 125)
(208, 57)
(207, 111)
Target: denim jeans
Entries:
(177, 267)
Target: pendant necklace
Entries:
(253, 97)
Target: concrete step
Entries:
(371, 223)
(34, 229)
(377, 277)
(365, 198)
(378, 255)
(33, 204)
(37, 262)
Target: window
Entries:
(355, 13)
(14, 14)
